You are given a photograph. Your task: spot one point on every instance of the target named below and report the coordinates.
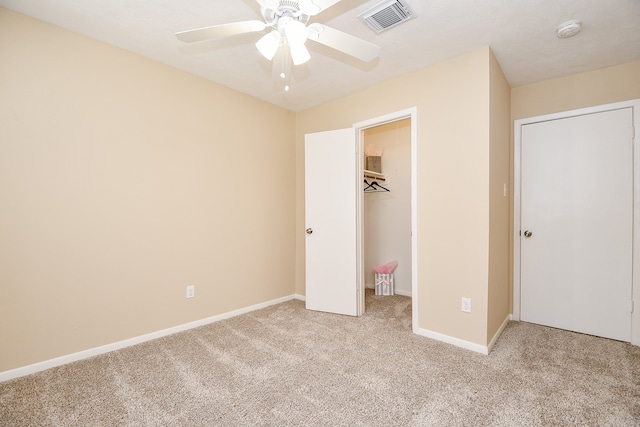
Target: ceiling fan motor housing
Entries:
(288, 9)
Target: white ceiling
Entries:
(522, 34)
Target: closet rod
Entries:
(374, 175)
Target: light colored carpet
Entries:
(286, 366)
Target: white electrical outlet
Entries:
(191, 291)
(466, 305)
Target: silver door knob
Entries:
(527, 233)
(309, 230)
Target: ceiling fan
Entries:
(285, 43)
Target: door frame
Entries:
(517, 150)
(360, 127)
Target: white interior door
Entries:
(331, 188)
(576, 223)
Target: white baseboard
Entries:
(468, 345)
(498, 333)
(465, 344)
(85, 354)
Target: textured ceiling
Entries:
(522, 34)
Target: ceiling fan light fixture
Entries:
(285, 44)
(295, 32)
(299, 53)
(268, 44)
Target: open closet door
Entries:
(331, 191)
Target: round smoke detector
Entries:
(569, 29)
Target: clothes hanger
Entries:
(374, 187)
(375, 184)
(368, 185)
(370, 188)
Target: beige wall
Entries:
(122, 181)
(452, 100)
(604, 86)
(499, 294)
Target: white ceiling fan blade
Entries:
(343, 42)
(313, 7)
(221, 31)
(324, 4)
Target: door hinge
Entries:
(632, 306)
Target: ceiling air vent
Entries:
(387, 14)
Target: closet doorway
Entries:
(334, 217)
(387, 219)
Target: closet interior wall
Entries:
(387, 215)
